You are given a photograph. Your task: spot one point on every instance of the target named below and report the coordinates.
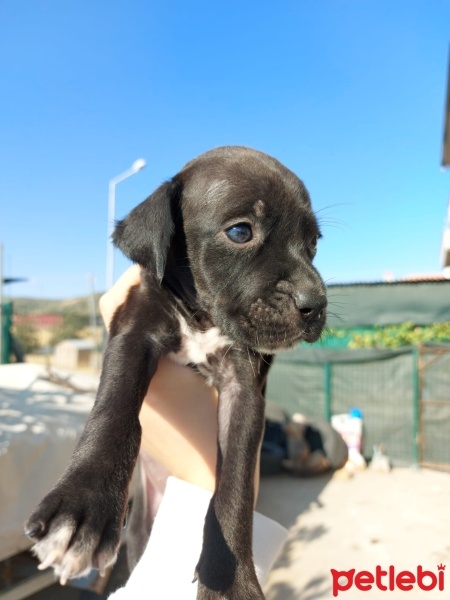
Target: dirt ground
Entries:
(399, 519)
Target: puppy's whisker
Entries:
(332, 294)
(251, 363)
(339, 305)
(326, 219)
(226, 352)
(257, 338)
(337, 316)
(332, 223)
(265, 361)
(334, 314)
(329, 206)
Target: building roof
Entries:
(38, 320)
(416, 279)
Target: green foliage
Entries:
(71, 327)
(405, 334)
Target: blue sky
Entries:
(349, 94)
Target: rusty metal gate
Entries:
(434, 407)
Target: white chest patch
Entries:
(196, 345)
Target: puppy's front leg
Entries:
(225, 568)
(78, 524)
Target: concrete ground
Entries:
(399, 519)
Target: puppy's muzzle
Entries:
(310, 305)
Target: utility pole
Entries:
(2, 342)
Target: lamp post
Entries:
(1, 304)
(137, 166)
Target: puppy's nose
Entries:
(310, 305)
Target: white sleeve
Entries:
(166, 569)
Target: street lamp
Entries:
(137, 166)
(1, 304)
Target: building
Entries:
(75, 354)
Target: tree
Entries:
(71, 327)
(27, 336)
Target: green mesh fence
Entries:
(405, 408)
(434, 414)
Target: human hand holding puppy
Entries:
(179, 412)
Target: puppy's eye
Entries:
(313, 246)
(240, 233)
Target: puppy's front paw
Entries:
(77, 529)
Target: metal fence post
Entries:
(416, 405)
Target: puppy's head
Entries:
(245, 224)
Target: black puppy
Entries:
(226, 250)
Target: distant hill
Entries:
(40, 306)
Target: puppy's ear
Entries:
(145, 234)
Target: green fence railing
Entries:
(406, 407)
(6, 319)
